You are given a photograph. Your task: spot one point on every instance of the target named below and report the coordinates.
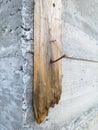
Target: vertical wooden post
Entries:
(47, 46)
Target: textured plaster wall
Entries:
(16, 39)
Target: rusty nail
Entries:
(53, 61)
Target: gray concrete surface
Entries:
(16, 39)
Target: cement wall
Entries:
(16, 39)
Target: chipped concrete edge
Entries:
(27, 45)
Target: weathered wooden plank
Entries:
(47, 40)
(79, 92)
(78, 44)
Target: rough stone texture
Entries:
(16, 39)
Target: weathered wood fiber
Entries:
(47, 46)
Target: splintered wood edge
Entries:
(47, 76)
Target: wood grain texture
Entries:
(47, 46)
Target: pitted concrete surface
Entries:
(16, 64)
(16, 38)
